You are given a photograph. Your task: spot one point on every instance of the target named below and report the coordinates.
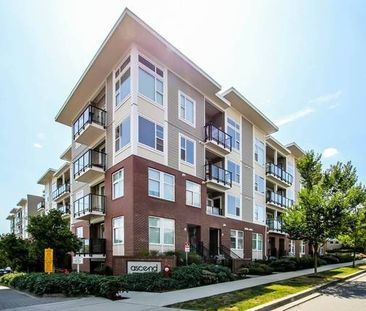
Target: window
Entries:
(80, 232)
(187, 150)
(233, 129)
(122, 134)
(187, 109)
(259, 184)
(122, 82)
(150, 81)
(235, 171)
(161, 231)
(302, 247)
(193, 194)
(290, 166)
(233, 205)
(291, 247)
(161, 185)
(151, 134)
(257, 242)
(259, 152)
(118, 184)
(118, 230)
(259, 213)
(237, 239)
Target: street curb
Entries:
(292, 298)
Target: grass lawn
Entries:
(252, 297)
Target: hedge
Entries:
(80, 284)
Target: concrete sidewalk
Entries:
(144, 301)
(168, 298)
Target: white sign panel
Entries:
(143, 266)
(77, 260)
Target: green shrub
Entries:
(304, 262)
(283, 265)
(256, 268)
(330, 259)
(243, 272)
(103, 270)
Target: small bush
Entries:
(256, 268)
(103, 270)
(243, 272)
(304, 262)
(283, 265)
(330, 259)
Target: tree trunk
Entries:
(315, 258)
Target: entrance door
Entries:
(272, 247)
(215, 241)
(282, 248)
(194, 237)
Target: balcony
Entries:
(217, 178)
(89, 206)
(90, 166)
(277, 174)
(216, 211)
(274, 224)
(90, 125)
(64, 209)
(61, 192)
(217, 139)
(278, 200)
(40, 205)
(92, 247)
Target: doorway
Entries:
(194, 237)
(215, 241)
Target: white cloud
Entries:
(330, 152)
(37, 145)
(327, 98)
(294, 116)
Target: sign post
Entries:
(48, 260)
(187, 249)
(78, 260)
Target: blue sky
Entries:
(301, 62)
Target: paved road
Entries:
(348, 296)
(10, 298)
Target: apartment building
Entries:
(161, 156)
(19, 216)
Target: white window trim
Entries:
(233, 138)
(123, 230)
(147, 146)
(264, 214)
(200, 191)
(257, 239)
(236, 239)
(161, 185)
(162, 219)
(116, 107)
(232, 177)
(180, 93)
(264, 185)
(122, 179)
(156, 76)
(258, 142)
(194, 150)
(228, 215)
(120, 150)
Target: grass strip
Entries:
(251, 297)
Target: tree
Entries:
(52, 231)
(15, 253)
(354, 235)
(323, 204)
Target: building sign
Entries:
(48, 260)
(77, 260)
(143, 266)
(187, 247)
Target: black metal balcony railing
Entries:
(92, 247)
(91, 114)
(87, 160)
(278, 199)
(64, 209)
(40, 205)
(279, 172)
(218, 174)
(218, 136)
(88, 204)
(274, 224)
(61, 190)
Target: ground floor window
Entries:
(161, 234)
(302, 248)
(291, 248)
(237, 239)
(257, 246)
